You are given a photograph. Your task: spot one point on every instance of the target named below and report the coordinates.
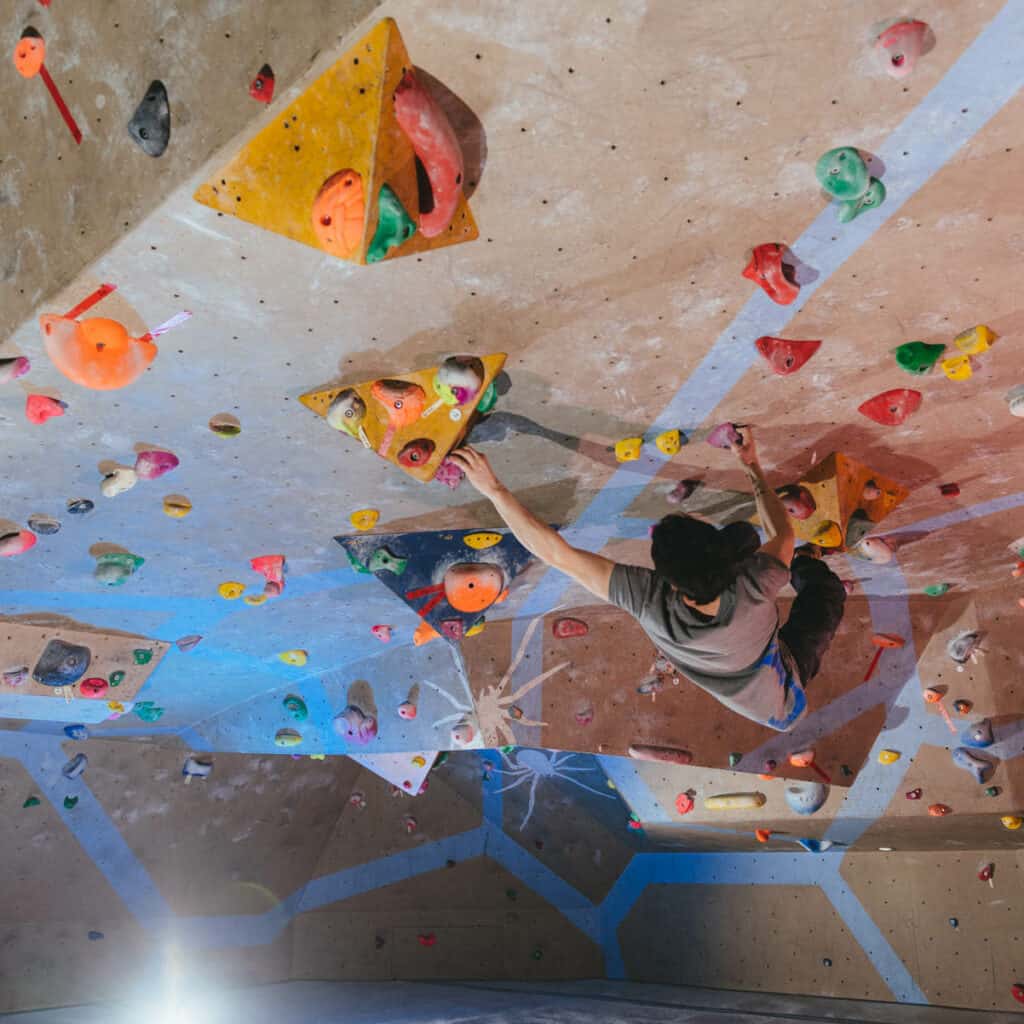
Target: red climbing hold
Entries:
(797, 501)
(913, 794)
(684, 803)
(766, 269)
(949, 490)
(262, 87)
(891, 408)
(785, 356)
(901, 44)
(271, 568)
(453, 629)
(1018, 992)
(427, 940)
(39, 408)
(566, 629)
(93, 688)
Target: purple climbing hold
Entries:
(681, 491)
(187, 643)
(977, 766)
(75, 767)
(724, 436)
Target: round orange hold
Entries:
(339, 214)
(97, 353)
(472, 587)
(29, 55)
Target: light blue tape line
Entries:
(542, 880)
(956, 516)
(633, 789)
(864, 931)
(43, 758)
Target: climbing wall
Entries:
(272, 779)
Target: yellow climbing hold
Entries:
(294, 657)
(1012, 821)
(481, 541)
(364, 519)
(177, 506)
(254, 600)
(231, 591)
(628, 450)
(957, 367)
(975, 341)
(888, 756)
(669, 443)
(116, 707)
(287, 738)
(317, 757)
(828, 535)
(420, 762)
(735, 801)
(610, 784)
(477, 629)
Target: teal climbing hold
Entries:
(937, 589)
(32, 801)
(142, 657)
(296, 707)
(69, 802)
(383, 560)
(488, 400)
(355, 563)
(116, 678)
(842, 173)
(115, 567)
(148, 711)
(734, 759)
(918, 357)
(872, 198)
(394, 226)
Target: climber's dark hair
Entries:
(694, 557)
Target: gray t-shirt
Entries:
(735, 655)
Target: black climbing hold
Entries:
(61, 664)
(954, 922)
(827, 962)
(150, 125)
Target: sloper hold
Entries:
(918, 357)
(345, 120)
(766, 269)
(96, 352)
(891, 408)
(900, 46)
(61, 663)
(150, 125)
(784, 355)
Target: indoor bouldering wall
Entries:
(331, 721)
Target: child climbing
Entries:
(709, 603)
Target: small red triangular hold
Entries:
(262, 87)
(891, 408)
(785, 356)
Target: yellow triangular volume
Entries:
(345, 121)
(431, 424)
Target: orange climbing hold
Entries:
(884, 642)
(763, 834)
(339, 214)
(97, 353)
(939, 810)
(29, 55)
(474, 586)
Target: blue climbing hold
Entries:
(816, 845)
(76, 732)
(806, 797)
(978, 735)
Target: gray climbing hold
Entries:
(196, 769)
(75, 766)
(963, 645)
(978, 735)
(150, 125)
(977, 766)
(187, 643)
(806, 797)
(61, 664)
(79, 506)
(43, 524)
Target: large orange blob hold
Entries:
(97, 353)
(339, 214)
(29, 55)
(474, 587)
(403, 401)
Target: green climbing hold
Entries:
(296, 707)
(842, 173)
(355, 563)
(394, 226)
(488, 400)
(918, 356)
(872, 198)
(937, 589)
(846, 770)
(115, 567)
(32, 801)
(442, 758)
(383, 560)
(148, 711)
(142, 657)
(508, 749)
(992, 791)
(538, 953)
(69, 802)
(512, 894)
(116, 678)
(734, 759)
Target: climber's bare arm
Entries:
(589, 570)
(781, 539)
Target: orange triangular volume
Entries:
(344, 122)
(438, 427)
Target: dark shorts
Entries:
(815, 615)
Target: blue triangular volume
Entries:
(450, 578)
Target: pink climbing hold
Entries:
(569, 628)
(14, 367)
(449, 473)
(797, 501)
(901, 44)
(382, 633)
(153, 464)
(766, 269)
(724, 436)
(16, 543)
(453, 629)
(891, 408)
(93, 688)
(785, 356)
(684, 803)
(40, 408)
(407, 710)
